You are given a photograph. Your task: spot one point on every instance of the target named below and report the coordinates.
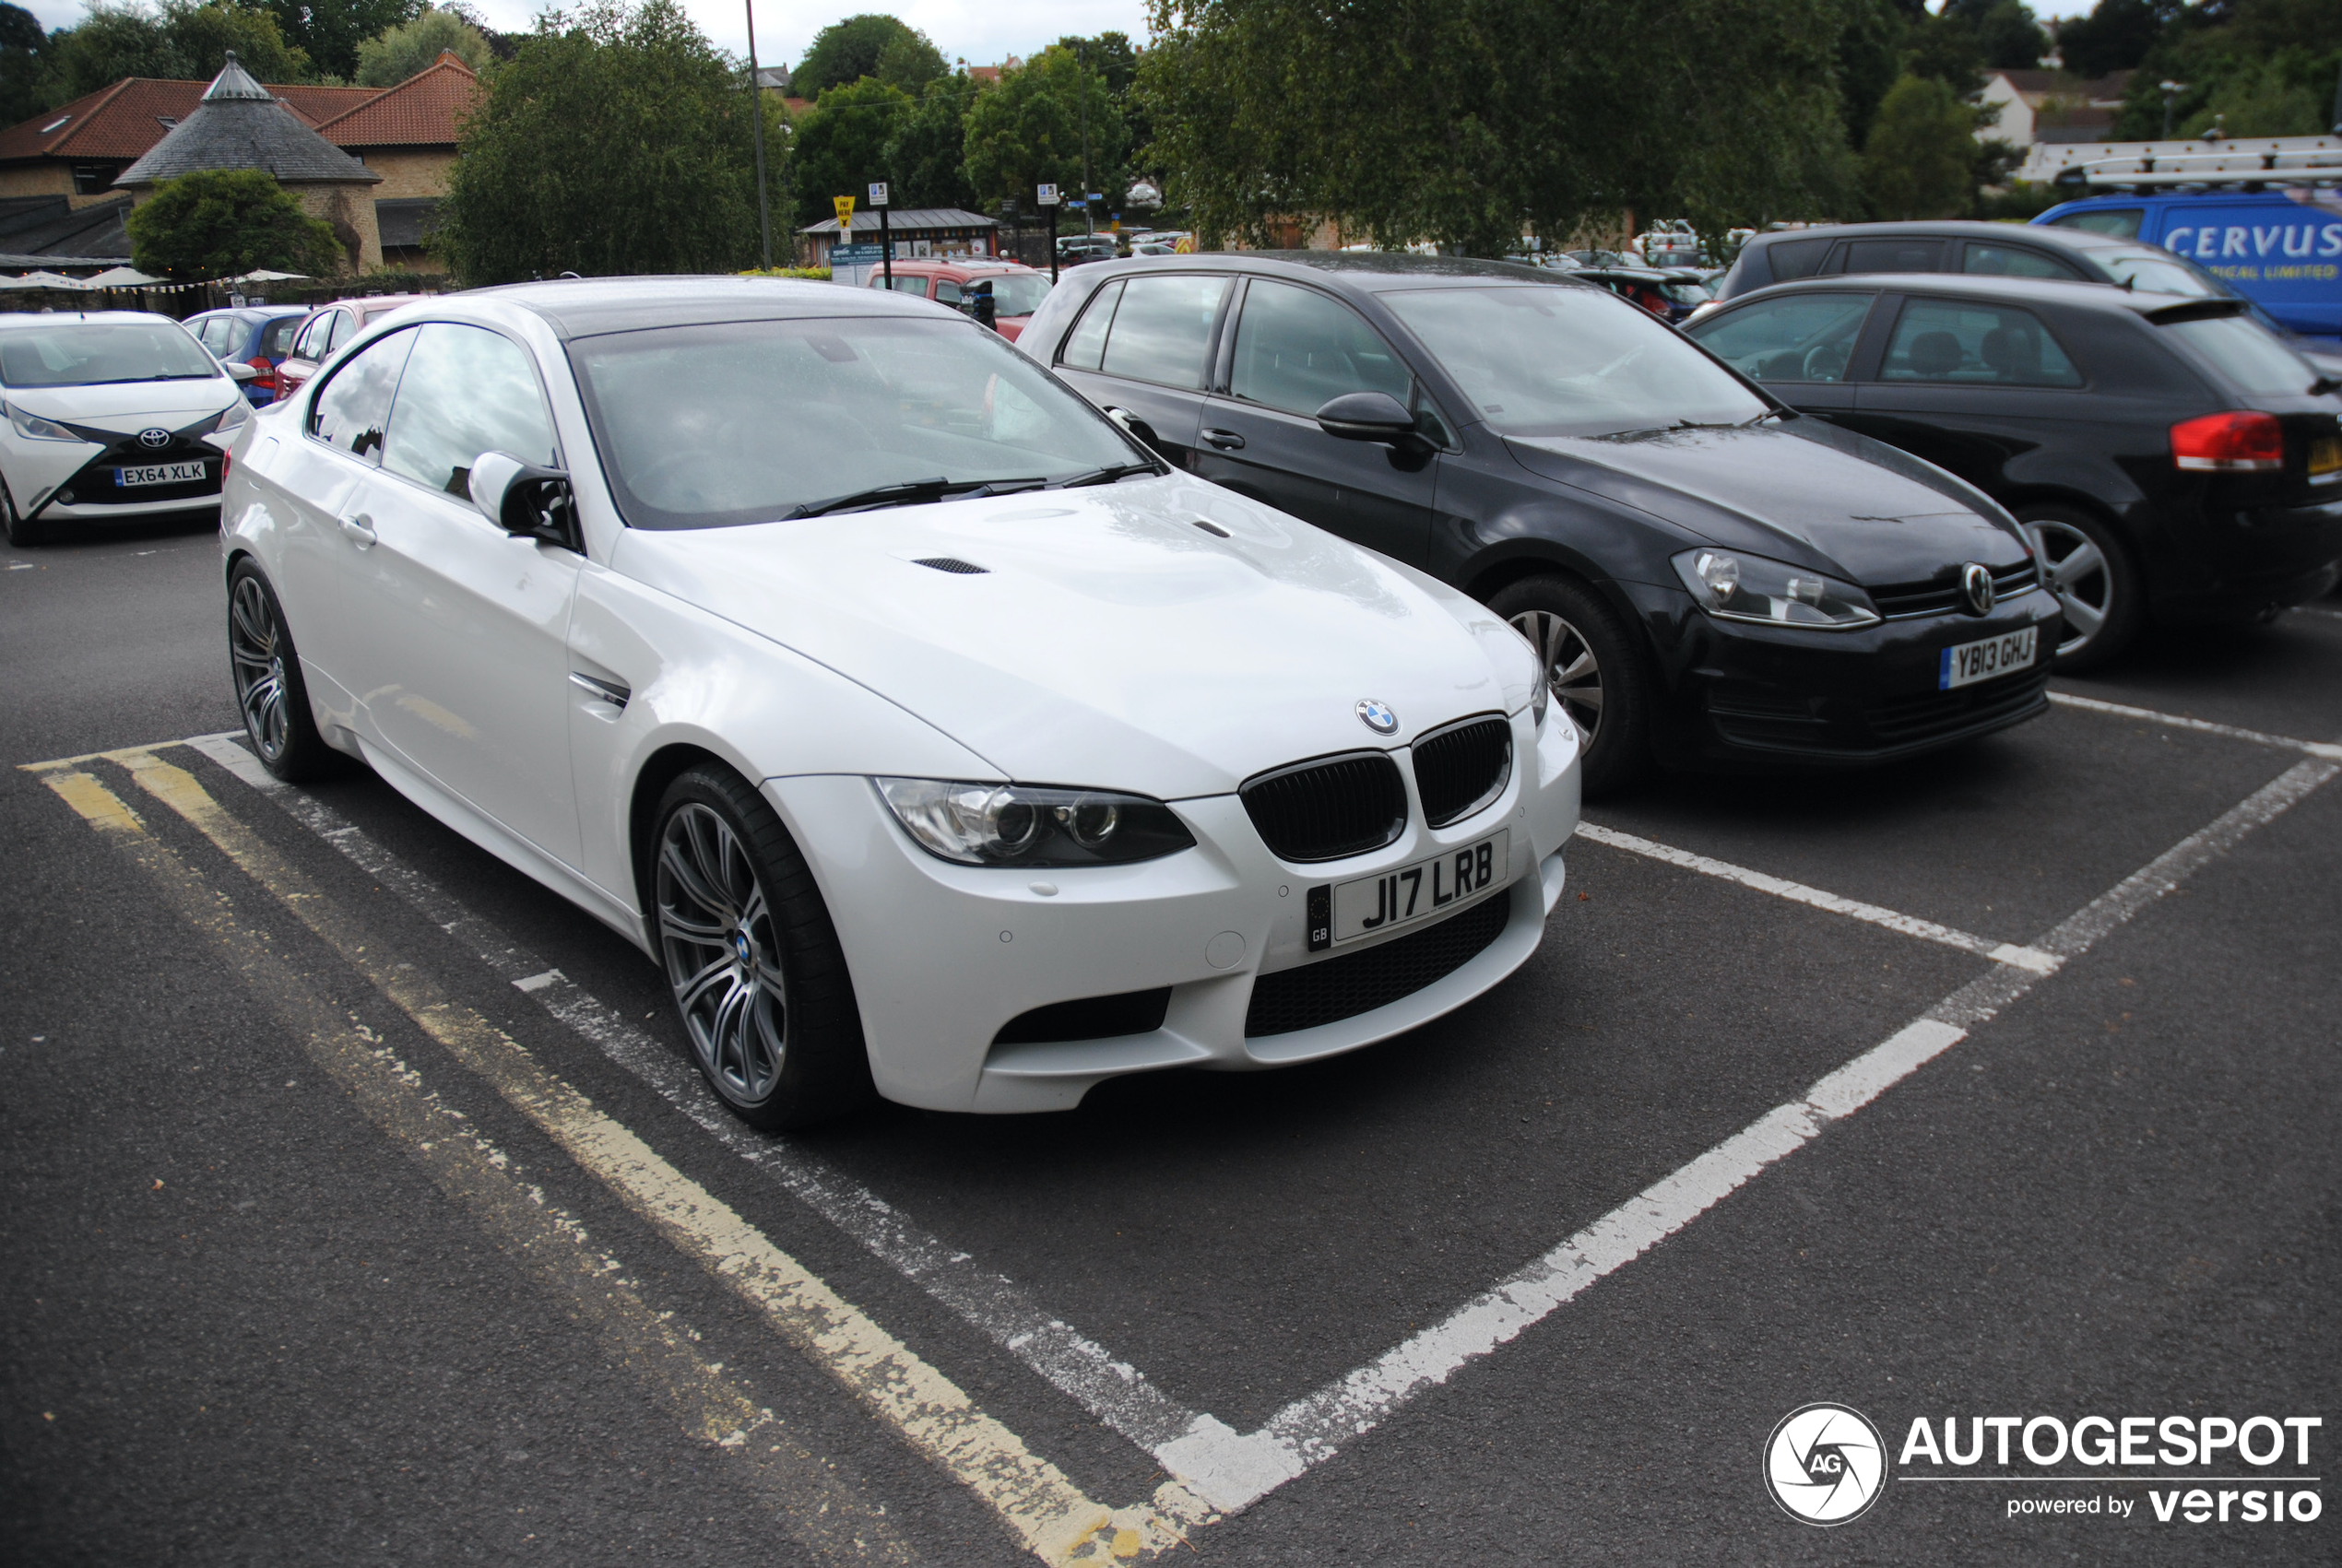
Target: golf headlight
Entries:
(1733, 587)
(985, 824)
(235, 414)
(33, 427)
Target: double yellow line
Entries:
(1037, 1502)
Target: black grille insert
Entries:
(952, 563)
(1462, 768)
(1336, 988)
(1329, 808)
(1088, 1018)
(1927, 714)
(1908, 599)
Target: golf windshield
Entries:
(1564, 360)
(91, 353)
(751, 421)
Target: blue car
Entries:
(2279, 247)
(259, 335)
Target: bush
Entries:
(224, 222)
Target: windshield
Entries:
(2248, 356)
(748, 422)
(2153, 272)
(1014, 293)
(1554, 359)
(84, 353)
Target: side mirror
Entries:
(987, 314)
(238, 371)
(527, 500)
(1368, 416)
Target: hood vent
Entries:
(952, 563)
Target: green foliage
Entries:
(400, 52)
(2009, 37)
(2267, 65)
(1869, 58)
(220, 222)
(812, 274)
(872, 44)
(1111, 54)
(616, 141)
(24, 50)
(841, 145)
(1921, 158)
(923, 158)
(1028, 131)
(181, 41)
(332, 31)
(2115, 36)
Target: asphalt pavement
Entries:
(358, 1207)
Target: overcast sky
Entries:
(982, 33)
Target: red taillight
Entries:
(267, 379)
(2229, 444)
(223, 467)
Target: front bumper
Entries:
(944, 956)
(81, 481)
(1748, 695)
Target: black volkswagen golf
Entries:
(1711, 577)
(2173, 461)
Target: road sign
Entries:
(878, 192)
(1047, 195)
(845, 205)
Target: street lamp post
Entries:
(2171, 91)
(756, 109)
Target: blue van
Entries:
(2281, 248)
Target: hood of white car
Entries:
(1108, 642)
(128, 406)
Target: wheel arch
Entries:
(661, 769)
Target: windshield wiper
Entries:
(910, 492)
(1107, 475)
(1768, 414)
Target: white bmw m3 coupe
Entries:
(932, 735)
(106, 414)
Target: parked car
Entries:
(2279, 248)
(1075, 250)
(326, 329)
(930, 733)
(1016, 290)
(1991, 250)
(2172, 461)
(259, 335)
(1708, 578)
(1670, 293)
(106, 414)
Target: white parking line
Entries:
(2176, 721)
(1797, 892)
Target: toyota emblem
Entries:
(154, 438)
(1976, 587)
(1377, 717)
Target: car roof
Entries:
(1367, 271)
(585, 307)
(1955, 229)
(26, 319)
(947, 264)
(2062, 291)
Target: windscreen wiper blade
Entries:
(911, 492)
(1106, 476)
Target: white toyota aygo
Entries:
(931, 733)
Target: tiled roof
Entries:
(906, 220)
(240, 126)
(425, 110)
(126, 120)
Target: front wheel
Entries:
(270, 691)
(2095, 581)
(1592, 669)
(22, 530)
(752, 957)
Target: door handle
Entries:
(360, 529)
(1225, 441)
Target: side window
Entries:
(466, 391)
(1793, 259)
(1809, 337)
(911, 285)
(946, 292)
(1891, 256)
(1297, 351)
(353, 408)
(1086, 345)
(1163, 328)
(311, 334)
(2123, 222)
(275, 340)
(345, 327)
(1972, 345)
(2012, 261)
(214, 334)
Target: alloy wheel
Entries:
(1572, 673)
(2076, 572)
(257, 654)
(722, 959)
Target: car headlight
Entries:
(33, 427)
(235, 414)
(1733, 587)
(986, 824)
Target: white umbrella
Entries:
(121, 278)
(264, 275)
(55, 280)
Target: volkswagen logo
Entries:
(1377, 717)
(1826, 1464)
(1976, 587)
(154, 438)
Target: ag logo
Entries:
(1826, 1463)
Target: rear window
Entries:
(2123, 222)
(2159, 272)
(2247, 355)
(1793, 259)
(276, 340)
(2012, 261)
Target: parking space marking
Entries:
(1037, 1501)
(2033, 958)
(801, 1489)
(2176, 721)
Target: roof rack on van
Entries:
(2322, 166)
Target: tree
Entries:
(400, 52)
(181, 41)
(1920, 160)
(1027, 131)
(1110, 54)
(331, 30)
(872, 44)
(2009, 37)
(23, 62)
(223, 222)
(1869, 59)
(2115, 36)
(925, 155)
(616, 141)
(840, 144)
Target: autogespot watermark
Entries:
(1826, 1463)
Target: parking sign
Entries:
(878, 192)
(1047, 195)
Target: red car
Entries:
(327, 328)
(1017, 289)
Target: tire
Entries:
(22, 530)
(270, 692)
(2095, 579)
(1594, 671)
(751, 958)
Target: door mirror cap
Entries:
(1366, 415)
(238, 371)
(525, 500)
